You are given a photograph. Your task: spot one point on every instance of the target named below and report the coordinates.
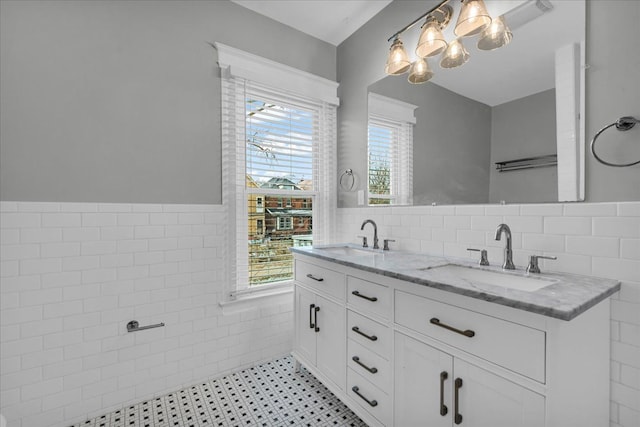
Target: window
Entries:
(382, 138)
(284, 223)
(278, 150)
(390, 151)
(279, 154)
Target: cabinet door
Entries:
(305, 335)
(486, 399)
(420, 371)
(331, 341)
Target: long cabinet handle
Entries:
(468, 333)
(457, 418)
(369, 337)
(311, 324)
(357, 360)
(443, 407)
(358, 294)
(315, 318)
(317, 279)
(372, 403)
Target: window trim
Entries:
(238, 73)
(284, 218)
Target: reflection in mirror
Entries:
(518, 102)
(390, 151)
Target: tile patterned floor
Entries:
(265, 395)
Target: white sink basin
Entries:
(495, 278)
(347, 251)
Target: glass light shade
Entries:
(431, 41)
(496, 35)
(398, 60)
(473, 18)
(455, 55)
(420, 72)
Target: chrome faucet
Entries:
(375, 232)
(508, 253)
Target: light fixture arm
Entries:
(430, 11)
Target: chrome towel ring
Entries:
(349, 180)
(622, 124)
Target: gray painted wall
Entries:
(119, 101)
(613, 91)
(522, 128)
(450, 163)
(612, 87)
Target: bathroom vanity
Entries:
(414, 340)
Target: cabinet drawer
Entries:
(368, 364)
(368, 296)
(370, 334)
(322, 279)
(513, 346)
(369, 397)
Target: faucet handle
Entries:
(364, 241)
(386, 244)
(484, 260)
(533, 263)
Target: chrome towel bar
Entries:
(134, 326)
(622, 124)
(527, 163)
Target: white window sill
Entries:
(258, 298)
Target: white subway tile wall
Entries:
(74, 274)
(598, 239)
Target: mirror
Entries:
(501, 106)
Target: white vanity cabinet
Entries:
(436, 389)
(369, 347)
(320, 321)
(405, 354)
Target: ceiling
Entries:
(330, 20)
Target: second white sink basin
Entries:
(506, 279)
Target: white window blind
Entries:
(278, 168)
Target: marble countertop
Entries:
(567, 297)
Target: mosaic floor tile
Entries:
(267, 395)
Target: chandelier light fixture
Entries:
(473, 20)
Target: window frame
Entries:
(284, 223)
(238, 77)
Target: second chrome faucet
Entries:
(508, 252)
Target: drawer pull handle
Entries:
(357, 360)
(317, 279)
(457, 419)
(369, 337)
(358, 294)
(311, 324)
(443, 407)
(372, 403)
(468, 333)
(315, 318)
